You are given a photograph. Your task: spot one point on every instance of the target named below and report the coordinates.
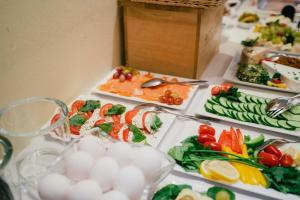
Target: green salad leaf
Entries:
(156, 124)
(232, 94)
(90, 105)
(116, 110)
(106, 127)
(77, 120)
(138, 136)
(170, 192)
(213, 192)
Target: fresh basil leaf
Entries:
(116, 110)
(90, 105)
(138, 136)
(106, 127)
(170, 192)
(156, 124)
(77, 120)
(249, 43)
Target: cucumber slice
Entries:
(236, 106)
(242, 99)
(295, 110)
(263, 108)
(248, 98)
(214, 98)
(254, 99)
(295, 124)
(222, 101)
(257, 110)
(257, 119)
(228, 113)
(234, 114)
(261, 100)
(272, 122)
(229, 104)
(263, 118)
(251, 116)
(284, 124)
(290, 117)
(208, 107)
(248, 119)
(241, 117)
(243, 106)
(251, 107)
(212, 102)
(218, 109)
(267, 100)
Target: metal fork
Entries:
(159, 109)
(273, 141)
(280, 105)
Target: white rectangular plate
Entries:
(201, 110)
(179, 107)
(190, 128)
(154, 139)
(230, 75)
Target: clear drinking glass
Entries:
(29, 126)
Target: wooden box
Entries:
(170, 39)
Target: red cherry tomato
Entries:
(226, 86)
(206, 138)
(55, 118)
(170, 100)
(77, 105)
(286, 160)
(178, 101)
(268, 159)
(215, 91)
(215, 146)
(207, 144)
(277, 81)
(206, 129)
(163, 99)
(273, 150)
(75, 130)
(168, 93)
(104, 109)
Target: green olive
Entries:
(222, 195)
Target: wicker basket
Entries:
(185, 3)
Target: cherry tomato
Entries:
(226, 86)
(206, 138)
(77, 105)
(98, 122)
(128, 76)
(277, 81)
(268, 159)
(178, 101)
(286, 160)
(215, 146)
(207, 144)
(215, 91)
(75, 130)
(116, 75)
(170, 100)
(273, 150)
(168, 93)
(163, 99)
(104, 109)
(55, 118)
(206, 129)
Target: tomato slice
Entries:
(130, 115)
(115, 130)
(98, 122)
(126, 135)
(55, 118)
(77, 105)
(75, 130)
(144, 122)
(116, 118)
(104, 109)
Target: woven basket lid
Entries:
(185, 3)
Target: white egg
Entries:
(78, 165)
(105, 172)
(86, 189)
(53, 187)
(120, 151)
(131, 181)
(92, 145)
(114, 195)
(148, 160)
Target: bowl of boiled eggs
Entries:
(95, 168)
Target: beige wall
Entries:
(56, 48)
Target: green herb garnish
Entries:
(90, 105)
(116, 110)
(156, 124)
(138, 136)
(77, 120)
(106, 127)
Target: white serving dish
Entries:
(207, 95)
(230, 75)
(183, 106)
(190, 128)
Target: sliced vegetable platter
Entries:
(249, 109)
(118, 118)
(230, 75)
(189, 129)
(182, 106)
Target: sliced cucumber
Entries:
(241, 117)
(257, 110)
(295, 124)
(229, 104)
(248, 98)
(261, 100)
(257, 119)
(251, 107)
(267, 100)
(234, 114)
(263, 108)
(242, 99)
(290, 116)
(263, 118)
(295, 110)
(218, 109)
(248, 119)
(251, 116)
(208, 107)
(228, 113)
(236, 106)
(243, 107)
(222, 101)
(212, 102)
(284, 124)
(272, 122)
(254, 99)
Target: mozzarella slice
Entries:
(90, 122)
(138, 119)
(148, 121)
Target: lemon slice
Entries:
(223, 170)
(204, 169)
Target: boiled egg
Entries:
(114, 195)
(148, 160)
(121, 152)
(131, 181)
(85, 190)
(92, 145)
(105, 172)
(53, 187)
(78, 165)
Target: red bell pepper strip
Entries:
(240, 137)
(235, 146)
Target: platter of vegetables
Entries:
(248, 107)
(119, 121)
(229, 155)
